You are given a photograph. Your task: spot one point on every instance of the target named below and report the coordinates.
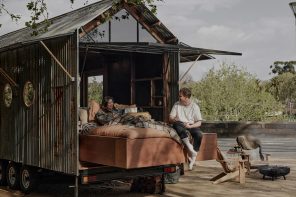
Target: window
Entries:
(123, 27)
(28, 94)
(7, 95)
(145, 36)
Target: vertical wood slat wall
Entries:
(44, 134)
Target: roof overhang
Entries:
(187, 53)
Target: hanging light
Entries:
(293, 7)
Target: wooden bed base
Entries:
(130, 153)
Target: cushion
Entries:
(94, 107)
(253, 154)
(130, 110)
(146, 115)
(82, 115)
(122, 106)
(125, 131)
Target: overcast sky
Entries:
(263, 30)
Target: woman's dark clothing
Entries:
(183, 133)
(104, 117)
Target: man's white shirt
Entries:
(187, 114)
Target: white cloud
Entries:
(214, 5)
(262, 33)
(206, 5)
(220, 36)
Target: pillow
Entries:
(121, 106)
(94, 107)
(82, 115)
(130, 109)
(146, 115)
(253, 154)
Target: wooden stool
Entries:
(208, 147)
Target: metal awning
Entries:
(190, 54)
(187, 53)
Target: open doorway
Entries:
(95, 88)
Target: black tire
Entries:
(27, 179)
(12, 175)
(3, 165)
(152, 185)
(162, 185)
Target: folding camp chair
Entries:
(254, 161)
(233, 168)
(252, 151)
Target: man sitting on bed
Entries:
(185, 116)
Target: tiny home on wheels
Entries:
(44, 81)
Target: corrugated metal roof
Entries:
(69, 22)
(63, 24)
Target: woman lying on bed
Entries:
(109, 115)
(108, 112)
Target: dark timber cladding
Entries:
(43, 134)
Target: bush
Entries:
(230, 93)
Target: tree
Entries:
(38, 9)
(280, 67)
(280, 86)
(230, 93)
(283, 88)
(14, 17)
(289, 90)
(95, 90)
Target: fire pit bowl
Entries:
(274, 171)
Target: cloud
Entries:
(262, 33)
(214, 5)
(220, 35)
(204, 5)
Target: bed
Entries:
(124, 147)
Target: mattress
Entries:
(128, 148)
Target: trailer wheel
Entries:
(27, 179)
(12, 175)
(152, 185)
(3, 165)
(162, 185)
